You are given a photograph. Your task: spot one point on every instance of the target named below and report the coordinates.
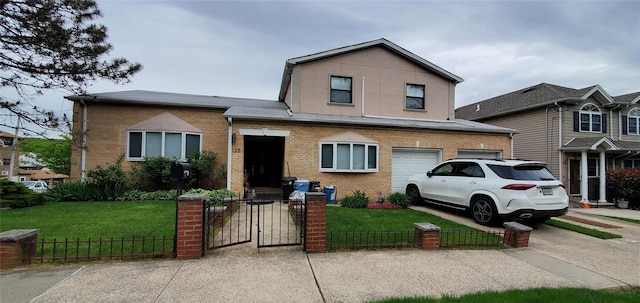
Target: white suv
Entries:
(493, 190)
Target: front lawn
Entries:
(365, 219)
(536, 295)
(84, 220)
(364, 228)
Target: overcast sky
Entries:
(238, 48)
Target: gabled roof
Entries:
(288, 68)
(592, 143)
(632, 98)
(536, 96)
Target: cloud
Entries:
(238, 48)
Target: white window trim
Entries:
(351, 169)
(591, 110)
(183, 146)
(633, 114)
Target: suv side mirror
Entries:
(429, 174)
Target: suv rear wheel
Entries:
(483, 211)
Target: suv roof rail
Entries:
(495, 159)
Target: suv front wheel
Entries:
(414, 194)
(483, 211)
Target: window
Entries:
(7, 141)
(590, 119)
(6, 161)
(415, 96)
(633, 122)
(340, 90)
(146, 144)
(631, 163)
(348, 157)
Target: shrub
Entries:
(74, 191)
(110, 182)
(627, 182)
(359, 199)
(213, 195)
(16, 195)
(400, 199)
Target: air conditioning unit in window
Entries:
(5, 172)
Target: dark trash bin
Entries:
(314, 186)
(287, 187)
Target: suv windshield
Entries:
(522, 172)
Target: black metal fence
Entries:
(471, 239)
(346, 240)
(341, 240)
(67, 251)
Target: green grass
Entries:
(625, 219)
(116, 223)
(583, 230)
(343, 219)
(72, 220)
(537, 295)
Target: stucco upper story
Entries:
(387, 71)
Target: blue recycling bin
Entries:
(301, 185)
(330, 192)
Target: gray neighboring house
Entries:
(580, 133)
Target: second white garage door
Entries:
(407, 162)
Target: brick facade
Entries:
(302, 152)
(107, 131)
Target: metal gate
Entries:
(227, 223)
(280, 223)
(231, 222)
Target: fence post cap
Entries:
(517, 226)
(426, 226)
(16, 235)
(191, 197)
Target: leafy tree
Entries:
(53, 44)
(55, 154)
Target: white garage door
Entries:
(408, 162)
(479, 154)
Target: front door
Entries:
(574, 177)
(263, 160)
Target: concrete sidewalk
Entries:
(555, 258)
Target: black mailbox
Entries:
(180, 171)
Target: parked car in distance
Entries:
(37, 186)
(492, 190)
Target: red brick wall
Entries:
(189, 227)
(316, 223)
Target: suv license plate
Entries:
(547, 191)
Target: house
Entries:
(580, 133)
(9, 153)
(363, 116)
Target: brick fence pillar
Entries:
(427, 236)
(17, 246)
(516, 234)
(316, 223)
(189, 226)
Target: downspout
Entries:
(83, 148)
(511, 139)
(229, 150)
(560, 152)
(362, 113)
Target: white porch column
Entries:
(603, 178)
(584, 178)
